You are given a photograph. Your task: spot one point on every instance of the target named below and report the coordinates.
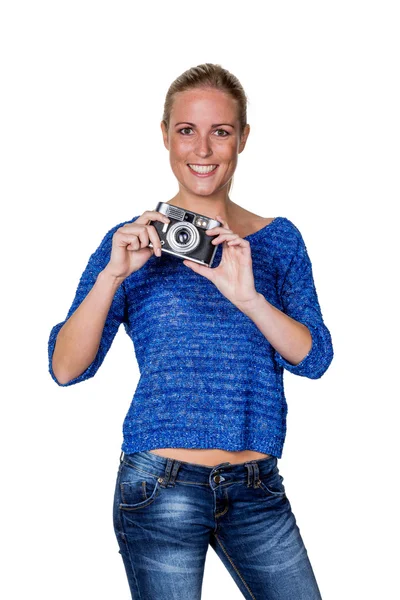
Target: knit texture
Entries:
(208, 377)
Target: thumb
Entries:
(200, 269)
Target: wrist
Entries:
(107, 276)
(253, 304)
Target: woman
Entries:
(207, 422)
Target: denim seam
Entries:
(124, 538)
(226, 505)
(140, 470)
(129, 507)
(237, 571)
(268, 490)
(220, 485)
(132, 567)
(222, 513)
(185, 482)
(144, 491)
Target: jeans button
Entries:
(217, 478)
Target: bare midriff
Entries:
(209, 457)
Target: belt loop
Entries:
(252, 473)
(249, 467)
(171, 470)
(121, 456)
(256, 472)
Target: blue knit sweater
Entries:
(208, 376)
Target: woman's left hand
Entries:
(234, 275)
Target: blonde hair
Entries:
(208, 75)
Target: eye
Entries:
(183, 129)
(227, 133)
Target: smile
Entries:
(202, 169)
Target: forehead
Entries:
(203, 105)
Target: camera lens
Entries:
(182, 236)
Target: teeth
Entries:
(203, 169)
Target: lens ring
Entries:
(174, 229)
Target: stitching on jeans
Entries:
(230, 483)
(128, 551)
(230, 560)
(184, 481)
(223, 512)
(123, 483)
(226, 505)
(126, 546)
(140, 470)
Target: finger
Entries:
(149, 234)
(239, 242)
(127, 239)
(223, 237)
(155, 239)
(133, 227)
(144, 233)
(137, 239)
(225, 223)
(200, 269)
(215, 230)
(151, 215)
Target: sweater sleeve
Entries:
(300, 301)
(116, 315)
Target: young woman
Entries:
(207, 422)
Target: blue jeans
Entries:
(166, 512)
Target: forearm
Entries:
(79, 338)
(287, 336)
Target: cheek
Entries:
(227, 152)
(179, 147)
(233, 149)
(177, 162)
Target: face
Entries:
(204, 130)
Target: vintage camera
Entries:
(184, 236)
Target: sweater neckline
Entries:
(275, 219)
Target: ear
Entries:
(164, 134)
(244, 137)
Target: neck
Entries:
(210, 206)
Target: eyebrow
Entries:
(214, 125)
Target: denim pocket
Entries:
(272, 484)
(137, 489)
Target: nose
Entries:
(203, 147)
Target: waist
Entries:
(209, 457)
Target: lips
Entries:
(202, 170)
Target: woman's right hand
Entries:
(130, 244)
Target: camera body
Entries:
(184, 236)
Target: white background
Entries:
(83, 87)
